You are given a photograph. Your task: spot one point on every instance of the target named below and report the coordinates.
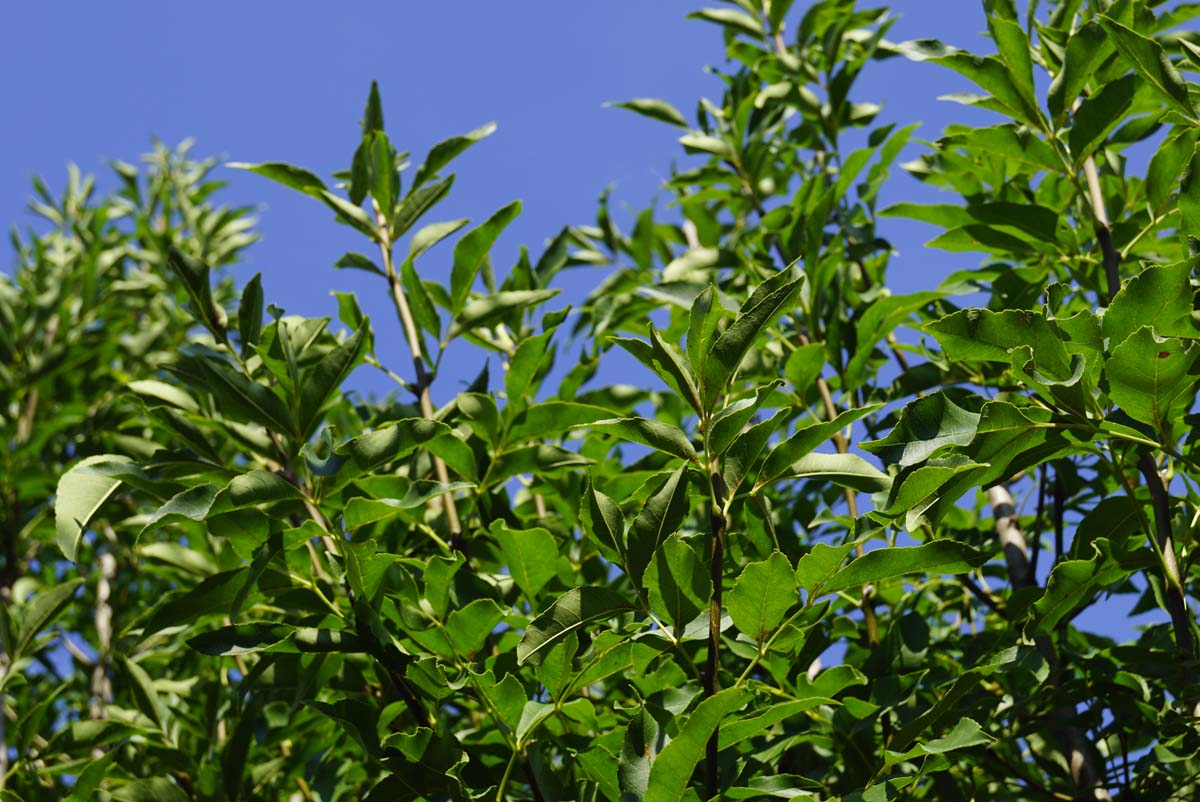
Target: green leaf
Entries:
(214, 594)
(1087, 48)
(655, 434)
(925, 426)
(1013, 45)
(324, 378)
(1167, 167)
(357, 261)
(195, 277)
(935, 557)
(762, 595)
(158, 789)
(371, 451)
(1099, 115)
(847, 470)
(530, 554)
(250, 314)
(965, 734)
(661, 516)
(731, 20)
(468, 627)
(372, 120)
(677, 582)
(45, 606)
(666, 362)
(553, 419)
(472, 251)
(653, 108)
(244, 398)
(385, 184)
(731, 421)
(989, 72)
(361, 511)
(144, 694)
(1150, 61)
(725, 355)
(525, 368)
(430, 235)
(645, 737)
(349, 213)
(168, 393)
(446, 151)
(747, 447)
(820, 564)
(602, 519)
(672, 771)
(737, 731)
(416, 203)
(1072, 583)
(1189, 197)
(80, 493)
(706, 312)
(240, 639)
(702, 143)
(570, 613)
(296, 178)
(1153, 379)
(1159, 297)
(485, 311)
(783, 456)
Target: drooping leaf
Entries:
(80, 494)
(45, 606)
(677, 582)
(653, 108)
(805, 440)
(661, 516)
(570, 613)
(530, 554)
(762, 595)
(485, 311)
(652, 433)
(672, 771)
(935, 557)
(847, 470)
(1151, 62)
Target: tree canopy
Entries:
(831, 542)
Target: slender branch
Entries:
(712, 779)
(424, 379)
(1181, 621)
(1176, 602)
(1086, 775)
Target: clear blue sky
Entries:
(273, 81)
(269, 81)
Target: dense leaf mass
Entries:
(833, 543)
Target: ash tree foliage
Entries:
(834, 542)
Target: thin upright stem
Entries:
(424, 379)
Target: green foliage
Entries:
(226, 577)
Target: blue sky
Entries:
(273, 82)
(269, 81)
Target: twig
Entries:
(424, 380)
(1085, 774)
(712, 779)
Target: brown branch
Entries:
(1177, 608)
(424, 379)
(712, 682)
(1085, 774)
